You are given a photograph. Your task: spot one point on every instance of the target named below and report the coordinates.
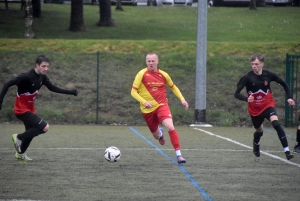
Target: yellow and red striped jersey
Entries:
(150, 86)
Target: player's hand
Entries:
(185, 104)
(74, 92)
(147, 105)
(250, 98)
(291, 102)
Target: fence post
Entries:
(97, 99)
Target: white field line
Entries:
(246, 146)
(148, 149)
(22, 200)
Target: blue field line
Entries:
(202, 191)
(274, 132)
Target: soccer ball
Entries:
(112, 154)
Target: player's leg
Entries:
(257, 122)
(165, 117)
(280, 132)
(297, 146)
(174, 138)
(34, 126)
(153, 125)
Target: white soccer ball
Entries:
(112, 154)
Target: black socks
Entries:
(30, 133)
(280, 133)
(257, 136)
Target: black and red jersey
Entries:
(29, 84)
(259, 87)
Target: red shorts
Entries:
(154, 118)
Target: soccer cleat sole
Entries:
(257, 154)
(181, 161)
(162, 140)
(256, 149)
(296, 150)
(22, 158)
(14, 139)
(289, 157)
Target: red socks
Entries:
(174, 138)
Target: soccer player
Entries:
(149, 89)
(297, 146)
(28, 84)
(261, 104)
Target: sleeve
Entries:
(173, 87)
(12, 82)
(284, 85)
(135, 86)
(56, 89)
(241, 84)
(177, 92)
(137, 96)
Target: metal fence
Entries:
(293, 80)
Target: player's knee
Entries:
(260, 129)
(276, 124)
(170, 127)
(46, 128)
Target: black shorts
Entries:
(31, 120)
(257, 121)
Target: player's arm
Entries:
(241, 84)
(135, 86)
(173, 87)
(10, 83)
(176, 91)
(284, 85)
(56, 89)
(286, 89)
(137, 96)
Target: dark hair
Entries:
(260, 57)
(41, 58)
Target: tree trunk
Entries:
(29, 20)
(23, 4)
(252, 5)
(77, 21)
(6, 4)
(119, 5)
(105, 14)
(94, 2)
(36, 8)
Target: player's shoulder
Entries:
(28, 72)
(25, 75)
(268, 73)
(141, 72)
(248, 75)
(163, 72)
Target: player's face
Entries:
(42, 68)
(257, 66)
(152, 61)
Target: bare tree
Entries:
(29, 20)
(119, 5)
(105, 14)
(252, 5)
(77, 21)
